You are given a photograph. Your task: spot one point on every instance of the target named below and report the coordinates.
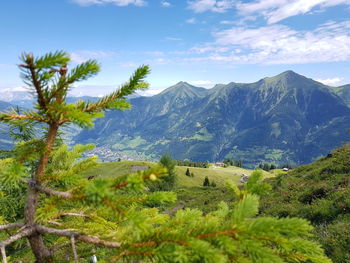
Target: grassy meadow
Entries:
(190, 190)
(218, 175)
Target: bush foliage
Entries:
(319, 192)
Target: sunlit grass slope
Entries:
(112, 169)
(218, 175)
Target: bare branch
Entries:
(75, 254)
(50, 191)
(26, 232)
(22, 117)
(84, 238)
(54, 223)
(3, 254)
(12, 225)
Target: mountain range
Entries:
(283, 119)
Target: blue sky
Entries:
(203, 42)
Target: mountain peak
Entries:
(289, 73)
(288, 76)
(183, 89)
(182, 83)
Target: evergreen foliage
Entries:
(319, 192)
(229, 162)
(168, 182)
(206, 181)
(267, 166)
(239, 163)
(66, 215)
(192, 164)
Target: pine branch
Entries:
(13, 225)
(83, 71)
(54, 249)
(128, 253)
(73, 214)
(51, 60)
(24, 233)
(84, 238)
(50, 191)
(117, 99)
(33, 78)
(9, 117)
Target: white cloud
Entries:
(191, 21)
(129, 65)
(272, 10)
(331, 81)
(165, 4)
(150, 92)
(278, 44)
(84, 55)
(91, 90)
(218, 6)
(173, 38)
(155, 53)
(158, 61)
(228, 22)
(13, 89)
(277, 10)
(115, 2)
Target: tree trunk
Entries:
(41, 252)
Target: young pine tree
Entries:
(63, 210)
(169, 181)
(206, 181)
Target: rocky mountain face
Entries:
(343, 92)
(284, 119)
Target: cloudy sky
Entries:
(203, 42)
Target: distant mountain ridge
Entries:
(286, 118)
(5, 140)
(9, 95)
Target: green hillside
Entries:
(319, 192)
(190, 191)
(219, 175)
(113, 169)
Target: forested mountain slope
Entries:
(286, 118)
